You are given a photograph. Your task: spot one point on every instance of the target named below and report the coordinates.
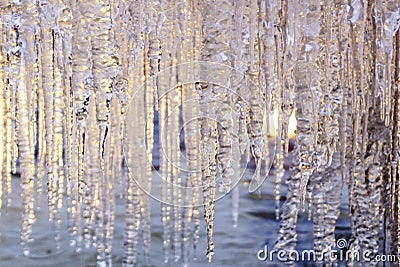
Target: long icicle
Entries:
(25, 145)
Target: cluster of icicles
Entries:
(69, 69)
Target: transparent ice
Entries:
(70, 69)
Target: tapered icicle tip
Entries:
(255, 183)
(303, 191)
(210, 252)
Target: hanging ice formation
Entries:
(70, 69)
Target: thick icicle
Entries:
(81, 88)
(327, 193)
(217, 26)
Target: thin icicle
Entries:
(47, 60)
(28, 216)
(12, 47)
(235, 205)
(208, 146)
(191, 127)
(65, 61)
(168, 59)
(25, 146)
(152, 55)
(197, 43)
(112, 162)
(274, 45)
(174, 101)
(3, 119)
(92, 174)
(58, 135)
(135, 174)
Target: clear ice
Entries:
(70, 69)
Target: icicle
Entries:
(135, 154)
(147, 179)
(175, 175)
(92, 173)
(119, 19)
(208, 146)
(385, 73)
(174, 97)
(104, 69)
(65, 61)
(285, 67)
(191, 128)
(68, 69)
(217, 25)
(387, 23)
(327, 193)
(81, 83)
(3, 119)
(164, 172)
(357, 171)
(31, 33)
(255, 129)
(251, 62)
(168, 127)
(132, 220)
(225, 143)
(58, 137)
(394, 167)
(41, 169)
(331, 96)
(235, 205)
(47, 60)
(287, 235)
(197, 43)
(12, 47)
(307, 86)
(112, 162)
(25, 146)
(274, 42)
(344, 72)
(152, 55)
(190, 112)
(26, 99)
(278, 173)
(135, 146)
